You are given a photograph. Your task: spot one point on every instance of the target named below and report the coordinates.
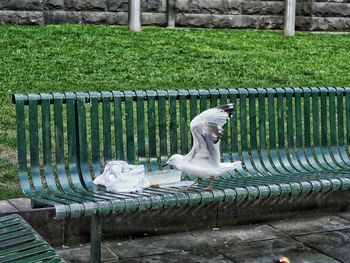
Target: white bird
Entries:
(204, 158)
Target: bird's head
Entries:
(175, 160)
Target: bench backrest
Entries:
(65, 139)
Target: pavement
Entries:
(320, 239)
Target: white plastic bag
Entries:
(119, 176)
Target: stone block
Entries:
(23, 5)
(272, 250)
(85, 5)
(54, 4)
(153, 19)
(251, 7)
(204, 256)
(21, 17)
(326, 9)
(7, 208)
(62, 17)
(271, 22)
(209, 6)
(272, 8)
(262, 8)
(21, 204)
(116, 18)
(150, 6)
(328, 1)
(335, 244)
(219, 21)
(323, 23)
(93, 17)
(302, 226)
(82, 254)
(117, 5)
(142, 247)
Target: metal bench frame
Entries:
(291, 141)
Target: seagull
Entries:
(204, 158)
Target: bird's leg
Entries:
(212, 181)
(198, 179)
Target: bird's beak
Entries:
(164, 164)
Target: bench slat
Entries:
(22, 244)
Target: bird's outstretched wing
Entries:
(207, 130)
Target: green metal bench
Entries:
(20, 243)
(291, 141)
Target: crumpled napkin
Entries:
(119, 176)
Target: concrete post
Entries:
(289, 18)
(170, 11)
(134, 15)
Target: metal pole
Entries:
(171, 16)
(95, 245)
(289, 18)
(134, 15)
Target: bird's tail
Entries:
(231, 166)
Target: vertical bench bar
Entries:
(72, 126)
(141, 132)
(290, 149)
(224, 139)
(234, 131)
(59, 141)
(324, 130)
(118, 122)
(106, 126)
(152, 140)
(333, 147)
(95, 132)
(306, 124)
(183, 121)
(243, 93)
(253, 142)
(82, 141)
(21, 145)
(46, 139)
(273, 154)
(262, 97)
(129, 125)
(341, 127)
(162, 120)
(173, 121)
(34, 143)
(347, 117)
(203, 99)
(295, 134)
(194, 96)
(282, 154)
(316, 130)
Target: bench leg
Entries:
(95, 242)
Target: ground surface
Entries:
(81, 58)
(322, 239)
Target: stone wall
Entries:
(328, 15)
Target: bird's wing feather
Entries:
(206, 129)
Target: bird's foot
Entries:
(194, 183)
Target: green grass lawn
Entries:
(82, 58)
